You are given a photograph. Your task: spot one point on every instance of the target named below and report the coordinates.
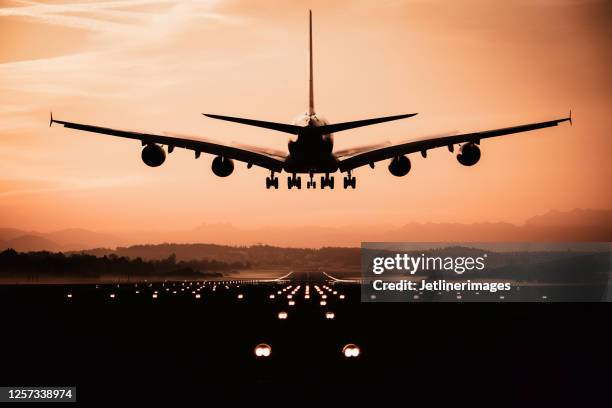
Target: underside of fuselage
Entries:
(311, 152)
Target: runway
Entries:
(169, 341)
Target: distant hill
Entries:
(577, 225)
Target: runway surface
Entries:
(174, 341)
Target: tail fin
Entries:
(311, 110)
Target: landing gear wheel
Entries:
(350, 181)
(271, 182)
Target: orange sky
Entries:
(156, 65)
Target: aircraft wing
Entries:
(251, 157)
(422, 145)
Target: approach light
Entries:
(330, 315)
(263, 350)
(282, 315)
(351, 351)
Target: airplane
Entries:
(312, 150)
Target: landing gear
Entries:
(294, 181)
(272, 181)
(311, 183)
(350, 181)
(327, 181)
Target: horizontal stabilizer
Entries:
(338, 127)
(281, 127)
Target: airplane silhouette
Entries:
(313, 149)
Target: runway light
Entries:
(69, 296)
(341, 296)
(263, 350)
(330, 315)
(137, 292)
(154, 296)
(198, 296)
(289, 296)
(323, 303)
(306, 296)
(272, 296)
(282, 315)
(351, 351)
(240, 296)
(324, 297)
(112, 295)
(291, 302)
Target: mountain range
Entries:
(555, 226)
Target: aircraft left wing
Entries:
(422, 145)
(251, 157)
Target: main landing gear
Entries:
(327, 181)
(350, 181)
(272, 181)
(294, 181)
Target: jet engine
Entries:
(153, 155)
(469, 155)
(399, 166)
(222, 166)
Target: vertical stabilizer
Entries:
(311, 110)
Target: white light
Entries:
(263, 350)
(322, 303)
(341, 296)
(330, 315)
(291, 302)
(69, 296)
(240, 296)
(351, 351)
(112, 295)
(197, 296)
(272, 296)
(154, 296)
(289, 296)
(137, 292)
(282, 315)
(306, 296)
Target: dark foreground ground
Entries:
(134, 348)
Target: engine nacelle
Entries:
(153, 155)
(399, 166)
(222, 166)
(469, 155)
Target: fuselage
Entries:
(311, 152)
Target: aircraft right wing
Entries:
(251, 157)
(422, 145)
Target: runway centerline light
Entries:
(330, 315)
(351, 351)
(263, 350)
(282, 315)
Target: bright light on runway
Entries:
(292, 303)
(282, 315)
(240, 296)
(272, 296)
(112, 295)
(154, 296)
(69, 296)
(323, 303)
(351, 351)
(263, 350)
(330, 315)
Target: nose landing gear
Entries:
(311, 183)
